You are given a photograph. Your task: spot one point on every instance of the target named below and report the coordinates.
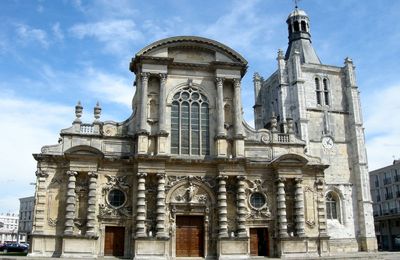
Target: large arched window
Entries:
(190, 123)
(332, 206)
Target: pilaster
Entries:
(281, 207)
(143, 104)
(40, 207)
(241, 207)
(160, 227)
(220, 137)
(71, 200)
(222, 207)
(299, 208)
(141, 206)
(91, 211)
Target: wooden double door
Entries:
(259, 243)
(114, 241)
(189, 236)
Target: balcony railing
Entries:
(283, 138)
(87, 129)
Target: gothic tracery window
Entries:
(190, 123)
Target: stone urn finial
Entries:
(97, 112)
(78, 112)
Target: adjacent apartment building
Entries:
(385, 190)
(8, 227)
(26, 206)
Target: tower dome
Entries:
(298, 25)
(300, 37)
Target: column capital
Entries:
(145, 75)
(163, 76)
(237, 82)
(298, 180)
(280, 180)
(141, 174)
(241, 178)
(222, 177)
(160, 175)
(219, 80)
(93, 174)
(42, 174)
(72, 173)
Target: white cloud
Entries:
(27, 125)
(382, 126)
(28, 34)
(57, 32)
(117, 35)
(109, 87)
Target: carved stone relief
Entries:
(263, 212)
(120, 183)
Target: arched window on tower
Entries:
(190, 123)
(332, 206)
(303, 26)
(318, 91)
(326, 91)
(296, 26)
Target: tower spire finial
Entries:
(296, 3)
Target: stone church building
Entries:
(186, 176)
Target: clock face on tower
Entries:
(327, 142)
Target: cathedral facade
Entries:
(186, 176)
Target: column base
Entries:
(368, 244)
(151, 249)
(233, 249)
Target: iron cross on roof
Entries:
(296, 2)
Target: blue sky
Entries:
(54, 53)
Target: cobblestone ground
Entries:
(358, 256)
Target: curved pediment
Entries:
(84, 151)
(180, 46)
(291, 159)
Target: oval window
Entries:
(116, 198)
(257, 200)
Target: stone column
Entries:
(237, 104)
(161, 104)
(91, 212)
(299, 208)
(321, 206)
(222, 207)
(281, 207)
(220, 107)
(39, 216)
(71, 200)
(143, 104)
(141, 206)
(241, 207)
(161, 207)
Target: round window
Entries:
(257, 200)
(116, 198)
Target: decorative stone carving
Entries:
(299, 208)
(189, 193)
(265, 138)
(109, 130)
(105, 209)
(222, 207)
(241, 207)
(263, 212)
(71, 200)
(141, 206)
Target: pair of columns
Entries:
(223, 207)
(70, 211)
(298, 208)
(237, 106)
(144, 82)
(141, 231)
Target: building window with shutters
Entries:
(190, 123)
